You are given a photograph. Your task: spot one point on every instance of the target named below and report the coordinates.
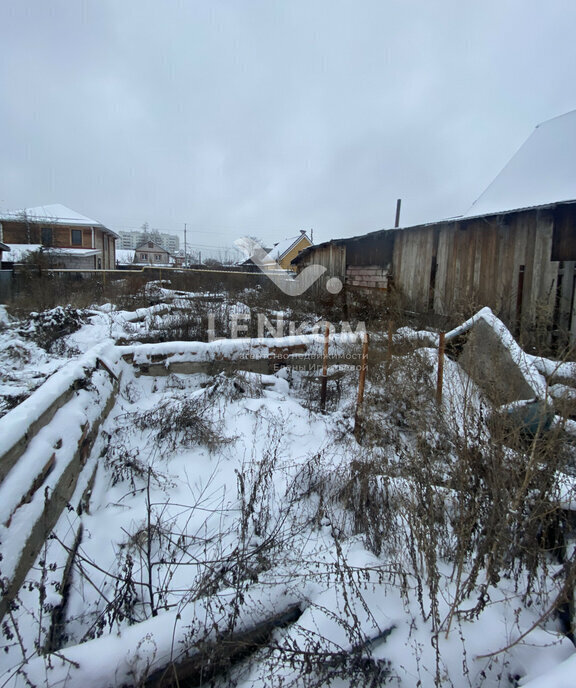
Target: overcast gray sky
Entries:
(265, 117)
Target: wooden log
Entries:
(440, 381)
(102, 364)
(206, 660)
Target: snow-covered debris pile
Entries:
(33, 347)
(47, 327)
(24, 361)
(4, 317)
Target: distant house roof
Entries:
(543, 171)
(249, 261)
(283, 247)
(56, 214)
(152, 246)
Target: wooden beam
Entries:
(207, 660)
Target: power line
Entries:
(229, 231)
(132, 228)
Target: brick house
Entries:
(66, 238)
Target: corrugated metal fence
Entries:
(5, 285)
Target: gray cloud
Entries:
(269, 117)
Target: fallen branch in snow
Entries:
(566, 592)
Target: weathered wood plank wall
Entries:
(498, 261)
(521, 264)
(412, 263)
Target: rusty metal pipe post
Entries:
(323, 389)
(361, 385)
(390, 343)
(440, 382)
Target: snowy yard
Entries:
(427, 555)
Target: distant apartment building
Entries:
(131, 240)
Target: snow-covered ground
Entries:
(221, 500)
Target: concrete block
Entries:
(54, 504)
(490, 365)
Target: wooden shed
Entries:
(514, 250)
(520, 263)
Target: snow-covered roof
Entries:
(124, 255)
(19, 252)
(56, 213)
(283, 247)
(543, 171)
(159, 264)
(80, 252)
(4, 247)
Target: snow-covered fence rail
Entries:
(263, 355)
(44, 445)
(16, 435)
(18, 427)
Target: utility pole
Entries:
(185, 251)
(398, 205)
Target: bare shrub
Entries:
(365, 494)
(463, 488)
(177, 423)
(123, 464)
(314, 662)
(37, 290)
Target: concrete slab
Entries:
(489, 363)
